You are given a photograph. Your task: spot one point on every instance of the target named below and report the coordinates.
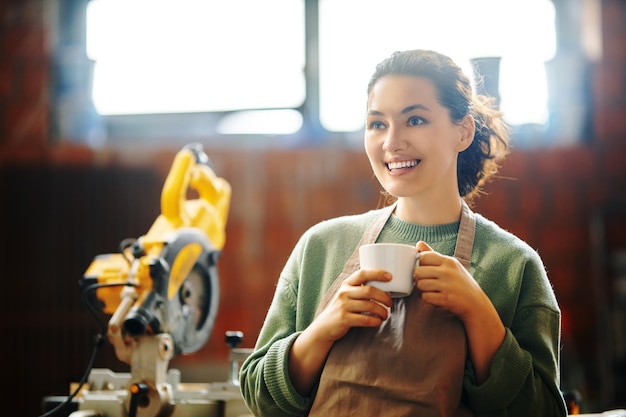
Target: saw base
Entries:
(108, 393)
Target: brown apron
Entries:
(412, 365)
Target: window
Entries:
(195, 56)
(238, 66)
(459, 28)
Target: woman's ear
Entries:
(467, 133)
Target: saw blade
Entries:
(193, 296)
(193, 308)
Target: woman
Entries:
(480, 333)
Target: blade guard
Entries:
(188, 254)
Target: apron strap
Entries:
(465, 237)
(369, 236)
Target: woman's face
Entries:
(410, 140)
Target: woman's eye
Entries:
(377, 125)
(416, 121)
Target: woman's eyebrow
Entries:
(409, 109)
(406, 110)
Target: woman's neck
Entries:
(442, 210)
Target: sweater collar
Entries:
(415, 232)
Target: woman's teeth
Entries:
(402, 164)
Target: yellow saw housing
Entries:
(178, 251)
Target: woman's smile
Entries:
(400, 167)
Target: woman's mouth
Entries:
(395, 166)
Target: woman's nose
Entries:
(394, 141)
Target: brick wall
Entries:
(63, 204)
(24, 75)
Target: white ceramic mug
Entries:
(398, 259)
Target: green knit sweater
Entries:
(524, 378)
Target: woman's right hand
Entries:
(353, 305)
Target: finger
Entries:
(423, 246)
(363, 276)
(431, 258)
(371, 293)
(437, 299)
(427, 271)
(349, 291)
(428, 285)
(426, 255)
(372, 308)
(367, 320)
(431, 298)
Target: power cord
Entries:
(100, 340)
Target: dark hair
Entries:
(481, 159)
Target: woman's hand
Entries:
(445, 283)
(353, 305)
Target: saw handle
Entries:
(174, 192)
(191, 170)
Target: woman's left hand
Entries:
(445, 283)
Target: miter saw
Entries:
(162, 292)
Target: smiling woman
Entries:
(478, 336)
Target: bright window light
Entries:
(186, 56)
(522, 33)
(178, 56)
(282, 122)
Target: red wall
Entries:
(63, 204)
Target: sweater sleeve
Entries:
(524, 377)
(264, 377)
